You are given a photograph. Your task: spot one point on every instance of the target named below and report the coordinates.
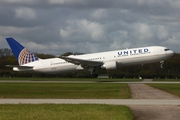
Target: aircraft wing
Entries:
(82, 62)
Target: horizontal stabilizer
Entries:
(21, 68)
(17, 66)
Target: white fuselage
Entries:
(120, 57)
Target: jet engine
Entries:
(110, 65)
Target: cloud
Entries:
(25, 13)
(80, 28)
(20, 1)
(66, 1)
(99, 14)
(116, 45)
(172, 41)
(58, 26)
(142, 31)
(12, 30)
(162, 33)
(39, 48)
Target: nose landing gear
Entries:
(161, 64)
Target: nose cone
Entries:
(170, 53)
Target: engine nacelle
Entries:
(110, 65)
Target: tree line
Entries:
(171, 68)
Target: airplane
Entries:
(109, 60)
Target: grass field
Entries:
(65, 90)
(64, 112)
(170, 88)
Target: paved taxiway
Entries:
(91, 101)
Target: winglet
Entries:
(23, 56)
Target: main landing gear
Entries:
(93, 73)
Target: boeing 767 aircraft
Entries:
(106, 60)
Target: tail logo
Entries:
(26, 57)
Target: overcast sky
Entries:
(58, 26)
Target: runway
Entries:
(91, 101)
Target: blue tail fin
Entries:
(23, 56)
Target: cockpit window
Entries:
(166, 49)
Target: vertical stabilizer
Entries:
(23, 56)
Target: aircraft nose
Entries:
(171, 53)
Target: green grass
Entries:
(64, 112)
(69, 79)
(170, 88)
(65, 90)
